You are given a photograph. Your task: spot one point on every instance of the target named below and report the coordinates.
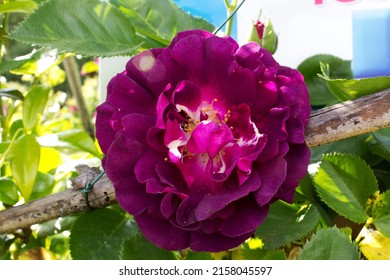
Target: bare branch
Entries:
(349, 119)
(61, 204)
(327, 125)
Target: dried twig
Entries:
(327, 125)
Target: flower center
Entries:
(209, 142)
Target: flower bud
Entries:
(264, 34)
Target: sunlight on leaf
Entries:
(88, 27)
(345, 183)
(50, 159)
(18, 7)
(317, 86)
(24, 157)
(348, 89)
(375, 246)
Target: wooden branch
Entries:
(349, 119)
(60, 204)
(327, 125)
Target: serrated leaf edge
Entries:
(322, 232)
(352, 156)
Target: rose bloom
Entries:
(201, 137)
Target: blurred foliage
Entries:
(41, 135)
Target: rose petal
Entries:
(215, 202)
(162, 232)
(272, 174)
(298, 158)
(247, 217)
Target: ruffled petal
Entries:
(213, 203)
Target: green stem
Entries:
(232, 10)
(72, 72)
(229, 24)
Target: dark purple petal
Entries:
(249, 215)
(145, 167)
(108, 127)
(169, 204)
(129, 98)
(297, 160)
(162, 232)
(211, 204)
(186, 96)
(272, 174)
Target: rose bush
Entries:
(201, 137)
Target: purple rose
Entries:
(201, 137)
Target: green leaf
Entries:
(329, 244)
(18, 7)
(23, 66)
(16, 127)
(79, 139)
(348, 89)
(355, 145)
(380, 144)
(138, 248)
(344, 183)
(286, 223)
(88, 27)
(6, 66)
(160, 20)
(43, 186)
(50, 160)
(381, 213)
(8, 191)
(33, 106)
(305, 190)
(99, 235)
(74, 139)
(24, 155)
(55, 226)
(11, 93)
(318, 89)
